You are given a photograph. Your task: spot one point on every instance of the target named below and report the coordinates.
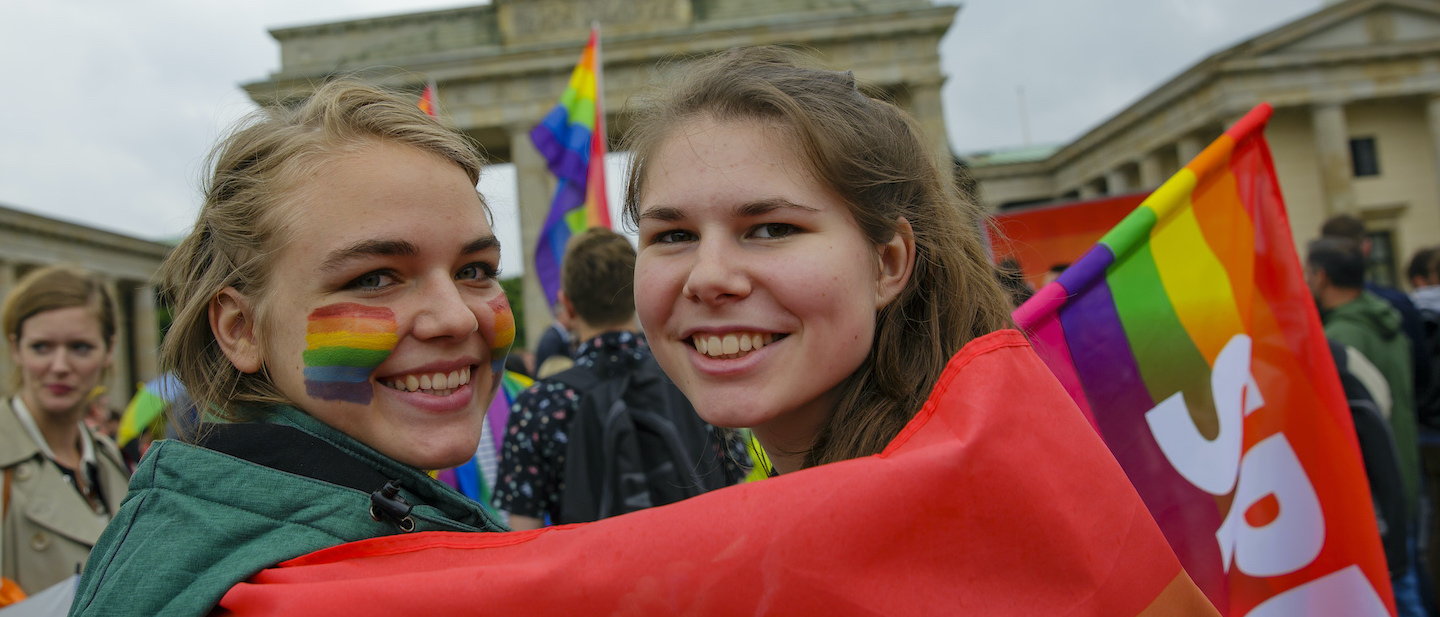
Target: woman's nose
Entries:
(60, 361)
(718, 272)
(444, 313)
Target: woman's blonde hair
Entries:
(873, 156)
(241, 227)
(51, 288)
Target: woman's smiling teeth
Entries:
(435, 384)
(732, 345)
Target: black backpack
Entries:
(635, 442)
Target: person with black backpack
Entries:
(612, 434)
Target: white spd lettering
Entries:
(1295, 537)
(1269, 469)
(1342, 593)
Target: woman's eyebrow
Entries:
(766, 206)
(663, 213)
(367, 248)
(480, 245)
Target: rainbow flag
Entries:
(572, 140)
(476, 478)
(1190, 341)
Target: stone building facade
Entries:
(127, 265)
(1356, 91)
(500, 67)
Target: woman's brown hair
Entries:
(51, 288)
(256, 171)
(873, 156)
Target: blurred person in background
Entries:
(62, 479)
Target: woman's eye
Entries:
(478, 270)
(673, 236)
(81, 348)
(774, 230)
(372, 280)
(40, 347)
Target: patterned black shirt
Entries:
(532, 458)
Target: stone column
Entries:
(533, 195)
(1187, 148)
(929, 112)
(1151, 175)
(7, 282)
(1432, 115)
(1332, 148)
(1116, 183)
(120, 383)
(1088, 190)
(147, 334)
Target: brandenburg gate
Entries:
(500, 67)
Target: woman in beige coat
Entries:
(62, 481)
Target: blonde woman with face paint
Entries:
(62, 481)
(338, 315)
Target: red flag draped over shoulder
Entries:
(1190, 339)
(996, 499)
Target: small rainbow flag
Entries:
(1189, 339)
(343, 345)
(572, 140)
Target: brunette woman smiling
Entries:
(62, 480)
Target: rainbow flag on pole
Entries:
(572, 140)
(1189, 339)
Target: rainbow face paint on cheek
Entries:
(343, 345)
(504, 333)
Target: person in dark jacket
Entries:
(1335, 271)
(337, 310)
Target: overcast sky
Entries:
(107, 109)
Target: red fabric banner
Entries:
(997, 499)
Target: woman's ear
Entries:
(232, 320)
(897, 261)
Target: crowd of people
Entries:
(804, 275)
(1385, 342)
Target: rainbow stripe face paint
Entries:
(504, 333)
(343, 345)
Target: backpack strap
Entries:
(581, 379)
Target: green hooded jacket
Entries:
(197, 521)
(1372, 327)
